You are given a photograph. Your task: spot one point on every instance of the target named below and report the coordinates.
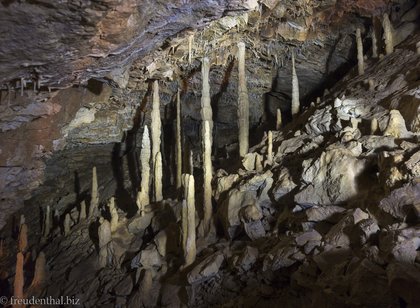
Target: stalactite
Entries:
(94, 201)
(269, 148)
(374, 126)
(206, 111)
(295, 89)
(360, 60)
(104, 234)
(278, 120)
(156, 126)
(188, 220)
(143, 193)
(47, 221)
(23, 238)
(67, 224)
(190, 47)
(19, 278)
(388, 34)
(207, 169)
(158, 177)
(243, 103)
(374, 44)
(178, 141)
(82, 214)
(114, 214)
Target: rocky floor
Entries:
(330, 220)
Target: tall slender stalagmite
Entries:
(243, 103)
(156, 127)
(23, 238)
(40, 271)
(66, 224)
(206, 112)
(374, 44)
(47, 221)
(143, 193)
(278, 120)
(94, 201)
(114, 214)
(19, 278)
(388, 34)
(104, 234)
(295, 89)
(158, 177)
(178, 142)
(207, 166)
(188, 220)
(360, 60)
(270, 148)
(82, 214)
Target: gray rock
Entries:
(206, 269)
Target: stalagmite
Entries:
(258, 163)
(82, 214)
(114, 214)
(207, 166)
(67, 224)
(19, 278)
(278, 120)
(188, 220)
(94, 201)
(191, 162)
(206, 111)
(374, 126)
(143, 194)
(47, 221)
(355, 122)
(295, 89)
(243, 103)
(104, 234)
(360, 60)
(40, 271)
(388, 34)
(190, 45)
(22, 220)
(23, 238)
(158, 177)
(269, 148)
(156, 126)
(374, 44)
(178, 141)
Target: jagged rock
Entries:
(124, 287)
(247, 258)
(319, 122)
(400, 204)
(328, 213)
(249, 161)
(400, 245)
(250, 217)
(150, 257)
(378, 142)
(139, 223)
(350, 108)
(291, 145)
(404, 280)
(332, 256)
(413, 165)
(224, 183)
(283, 185)
(206, 269)
(284, 254)
(365, 230)
(308, 236)
(330, 179)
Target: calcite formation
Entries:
(94, 199)
(243, 103)
(360, 56)
(143, 197)
(295, 89)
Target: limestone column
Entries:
(278, 120)
(243, 103)
(94, 201)
(188, 221)
(208, 174)
(360, 60)
(104, 234)
(178, 141)
(143, 193)
(19, 278)
(295, 89)
(40, 271)
(158, 177)
(206, 111)
(23, 238)
(156, 125)
(388, 34)
(114, 214)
